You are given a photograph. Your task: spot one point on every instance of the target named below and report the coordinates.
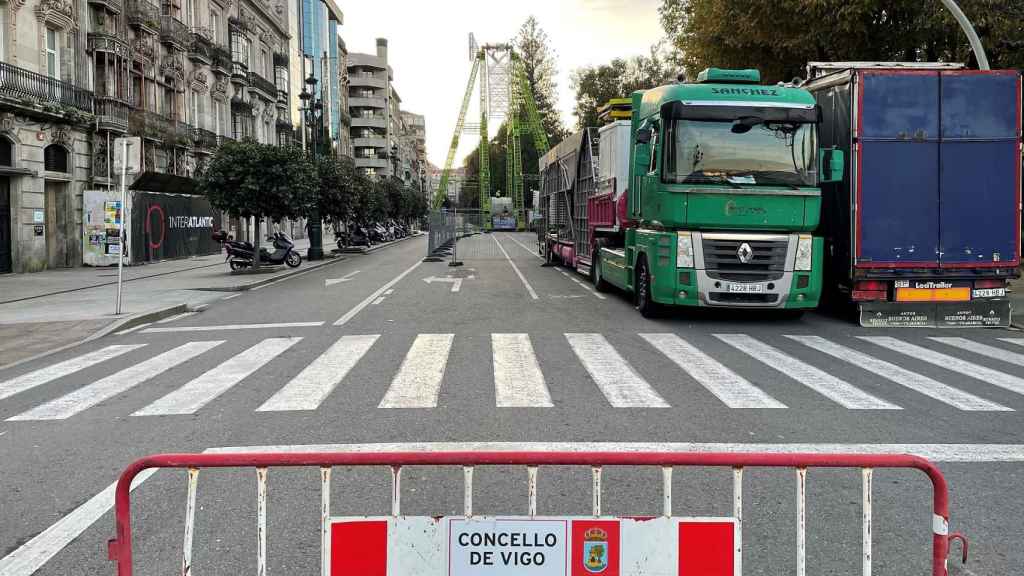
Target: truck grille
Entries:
(722, 262)
(734, 298)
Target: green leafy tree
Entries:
(336, 195)
(596, 85)
(540, 65)
(250, 180)
(780, 37)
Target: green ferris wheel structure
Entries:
(505, 95)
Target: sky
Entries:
(428, 47)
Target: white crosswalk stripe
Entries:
(418, 381)
(518, 381)
(519, 375)
(822, 382)
(117, 383)
(62, 369)
(316, 382)
(618, 381)
(994, 377)
(1017, 341)
(982, 349)
(917, 382)
(208, 386)
(731, 388)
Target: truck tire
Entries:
(644, 303)
(600, 284)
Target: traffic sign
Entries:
(134, 162)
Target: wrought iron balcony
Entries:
(174, 32)
(112, 113)
(222, 139)
(204, 139)
(201, 47)
(144, 15)
(220, 58)
(114, 6)
(19, 83)
(239, 72)
(146, 124)
(265, 86)
(109, 43)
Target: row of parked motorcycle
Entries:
(367, 235)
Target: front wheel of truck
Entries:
(644, 303)
(600, 284)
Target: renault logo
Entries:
(745, 253)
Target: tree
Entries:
(337, 179)
(540, 67)
(780, 37)
(250, 180)
(596, 85)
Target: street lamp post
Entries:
(313, 116)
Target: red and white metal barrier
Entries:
(120, 548)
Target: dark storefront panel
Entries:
(172, 226)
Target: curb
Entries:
(115, 325)
(243, 288)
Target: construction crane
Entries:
(505, 96)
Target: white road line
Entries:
(369, 299)
(378, 301)
(917, 382)
(516, 269)
(233, 327)
(204, 389)
(317, 380)
(30, 556)
(525, 247)
(418, 381)
(175, 317)
(972, 453)
(201, 307)
(230, 297)
(982, 349)
(618, 381)
(970, 369)
(822, 382)
(133, 329)
(117, 383)
(518, 381)
(731, 388)
(61, 369)
(1017, 341)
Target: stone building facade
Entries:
(183, 75)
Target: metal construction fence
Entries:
(447, 228)
(433, 544)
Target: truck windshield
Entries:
(745, 151)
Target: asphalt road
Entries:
(504, 350)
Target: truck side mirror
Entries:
(832, 165)
(644, 136)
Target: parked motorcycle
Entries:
(359, 236)
(240, 254)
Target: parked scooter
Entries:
(240, 254)
(359, 236)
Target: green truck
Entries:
(706, 196)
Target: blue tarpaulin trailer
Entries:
(924, 230)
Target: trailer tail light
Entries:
(990, 283)
(866, 290)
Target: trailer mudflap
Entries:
(973, 314)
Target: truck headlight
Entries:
(684, 250)
(804, 251)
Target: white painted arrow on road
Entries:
(455, 282)
(346, 278)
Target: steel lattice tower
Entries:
(505, 96)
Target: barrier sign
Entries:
(539, 546)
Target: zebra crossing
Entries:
(520, 380)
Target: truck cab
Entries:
(722, 198)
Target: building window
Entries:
(3, 31)
(214, 25)
(261, 65)
(55, 158)
(52, 53)
(6, 152)
(371, 171)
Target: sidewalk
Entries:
(50, 310)
(1015, 293)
